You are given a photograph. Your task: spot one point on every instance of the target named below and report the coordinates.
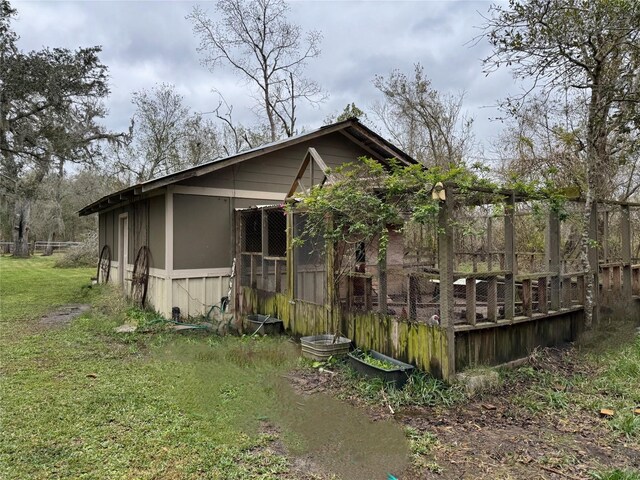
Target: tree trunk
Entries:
(57, 223)
(587, 268)
(48, 251)
(21, 226)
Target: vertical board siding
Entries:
(195, 296)
(504, 343)
(425, 346)
(155, 294)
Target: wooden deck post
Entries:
(627, 287)
(382, 283)
(636, 281)
(471, 300)
(543, 304)
(492, 299)
(490, 243)
(605, 237)
(527, 303)
(291, 271)
(617, 279)
(510, 259)
(554, 260)
(253, 279)
(606, 278)
(566, 292)
(368, 294)
(412, 296)
(445, 264)
(277, 268)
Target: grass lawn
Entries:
(79, 401)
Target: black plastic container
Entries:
(263, 325)
(398, 376)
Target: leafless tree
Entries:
(254, 38)
(165, 137)
(237, 137)
(425, 123)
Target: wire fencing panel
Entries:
(634, 218)
(263, 249)
(414, 288)
(530, 224)
(250, 225)
(479, 260)
(571, 228)
(610, 233)
(309, 264)
(274, 260)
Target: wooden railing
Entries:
(620, 277)
(256, 267)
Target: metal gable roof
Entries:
(350, 128)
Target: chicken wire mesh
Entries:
(413, 290)
(571, 228)
(263, 247)
(610, 218)
(531, 228)
(634, 219)
(479, 260)
(406, 282)
(309, 263)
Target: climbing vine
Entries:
(362, 200)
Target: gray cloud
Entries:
(149, 42)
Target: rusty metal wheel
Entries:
(104, 265)
(140, 278)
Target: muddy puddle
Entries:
(246, 383)
(329, 435)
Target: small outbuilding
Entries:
(180, 228)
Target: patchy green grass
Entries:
(603, 372)
(81, 401)
(30, 287)
(422, 445)
(616, 475)
(420, 390)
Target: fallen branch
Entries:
(384, 396)
(558, 472)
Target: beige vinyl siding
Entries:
(274, 172)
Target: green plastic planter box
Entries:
(398, 375)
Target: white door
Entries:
(123, 249)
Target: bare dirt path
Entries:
(63, 315)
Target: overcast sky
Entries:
(148, 42)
